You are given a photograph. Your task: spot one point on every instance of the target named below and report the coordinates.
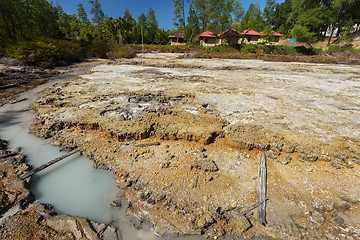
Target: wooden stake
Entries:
(262, 190)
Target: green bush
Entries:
(121, 51)
(34, 52)
(346, 48)
(220, 48)
(98, 48)
(306, 50)
(46, 52)
(249, 48)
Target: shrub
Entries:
(46, 52)
(121, 51)
(249, 48)
(98, 48)
(220, 48)
(35, 52)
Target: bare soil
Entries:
(182, 137)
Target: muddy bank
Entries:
(183, 142)
(22, 218)
(18, 79)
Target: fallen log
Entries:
(48, 164)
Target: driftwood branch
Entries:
(48, 164)
(262, 190)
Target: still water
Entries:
(72, 186)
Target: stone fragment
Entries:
(285, 160)
(271, 155)
(205, 221)
(194, 183)
(336, 163)
(204, 163)
(165, 229)
(289, 148)
(116, 203)
(215, 232)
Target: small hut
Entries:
(250, 36)
(275, 34)
(228, 37)
(177, 38)
(208, 39)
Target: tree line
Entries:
(30, 19)
(306, 20)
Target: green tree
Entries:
(179, 13)
(141, 29)
(280, 20)
(224, 18)
(23, 19)
(313, 15)
(269, 12)
(238, 11)
(343, 11)
(87, 29)
(303, 34)
(128, 27)
(152, 26)
(252, 19)
(96, 11)
(110, 28)
(202, 7)
(192, 29)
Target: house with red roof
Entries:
(208, 39)
(177, 38)
(228, 37)
(275, 34)
(249, 36)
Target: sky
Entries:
(164, 9)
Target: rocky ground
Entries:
(22, 218)
(16, 78)
(182, 137)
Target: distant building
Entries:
(228, 37)
(177, 38)
(276, 35)
(208, 39)
(250, 36)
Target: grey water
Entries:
(72, 186)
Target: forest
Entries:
(35, 28)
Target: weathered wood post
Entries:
(262, 190)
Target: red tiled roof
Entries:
(230, 33)
(250, 32)
(177, 35)
(208, 34)
(276, 34)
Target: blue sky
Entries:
(114, 8)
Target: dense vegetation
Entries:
(306, 20)
(39, 32)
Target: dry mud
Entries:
(182, 137)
